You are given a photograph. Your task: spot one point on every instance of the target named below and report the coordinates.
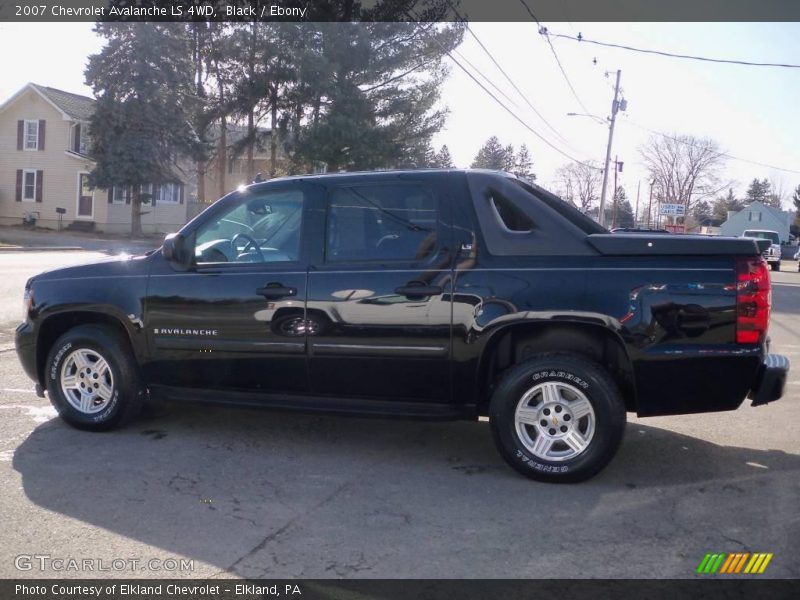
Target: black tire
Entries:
(776, 266)
(126, 390)
(573, 373)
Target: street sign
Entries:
(673, 210)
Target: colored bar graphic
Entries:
(765, 563)
(703, 563)
(733, 563)
(741, 562)
(727, 564)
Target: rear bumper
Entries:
(771, 380)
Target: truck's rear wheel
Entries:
(557, 417)
(92, 380)
(776, 266)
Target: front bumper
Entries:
(771, 380)
(25, 342)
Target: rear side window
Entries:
(509, 215)
(395, 222)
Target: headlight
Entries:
(27, 302)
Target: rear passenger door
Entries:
(379, 294)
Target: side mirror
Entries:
(174, 250)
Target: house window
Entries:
(31, 135)
(120, 193)
(29, 186)
(755, 216)
(83, 141)
(169, 193)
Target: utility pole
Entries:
(614, 108)
(614, 211)
(650, 204)
(636, 212)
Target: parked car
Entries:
(431, 294)
(772, 254)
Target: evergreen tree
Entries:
(509, 159)
(702, 211)
(492, 155)
(142, 80)
(758, 191)
(367, 100)
(623, 209)
(796, 203)
(725, 204)
(443, 159)
(523, 166)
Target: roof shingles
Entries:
(76, 106)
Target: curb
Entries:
(39, 248)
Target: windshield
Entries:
(763, 235)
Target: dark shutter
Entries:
(19, 186)
(111, 194)
(20, 134)
(39, 181)
(180, 193)
(76, 144)
(41, 134)
(127, 194)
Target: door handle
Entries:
(276, 290)
(416, 289)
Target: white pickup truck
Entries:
(772, 254)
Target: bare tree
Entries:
(778, 193)
(579, 184)
(685, 168)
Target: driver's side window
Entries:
(261, 227)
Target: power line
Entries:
(580, 38)
(563, 72)
(543, 31)
(530, 12)
(508, 110)
(489, 81)
(508, 78)
(517, 117)
(725, 154)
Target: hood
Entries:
(113, 266)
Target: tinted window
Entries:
(259, 228)
(388, 222)
(511, 216)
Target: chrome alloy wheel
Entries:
(87, 381)
(555, 421)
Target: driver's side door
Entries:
(235, 319)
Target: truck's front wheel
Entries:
(92, 380)
(557, 417)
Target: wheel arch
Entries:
(515, 342)
(57, 324)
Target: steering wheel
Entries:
(250, 242)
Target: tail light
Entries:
(753, 299)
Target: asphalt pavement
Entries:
(247, 493)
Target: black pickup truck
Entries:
(442, 294)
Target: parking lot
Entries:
(248, 493)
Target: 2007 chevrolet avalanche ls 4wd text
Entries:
(438, 294)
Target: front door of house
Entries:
(85, 197)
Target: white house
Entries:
(758, 216)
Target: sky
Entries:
(750, 111)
